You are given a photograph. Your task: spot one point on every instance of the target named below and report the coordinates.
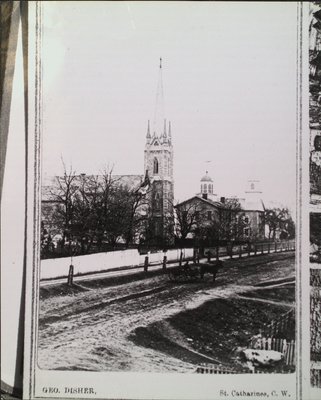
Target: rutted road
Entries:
(88, 329)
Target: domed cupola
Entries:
(206, 185)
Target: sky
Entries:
(229, 78)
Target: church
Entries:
(155, 185)
(158, 165)
(156, 188)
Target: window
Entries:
(210, 188)
(157, 202)
(197, 215)
(157, 228)
(252, 186)
(246, 219)
(205, 188)
(184, 216)
(155, 166)
(246, 232)
(209, 215)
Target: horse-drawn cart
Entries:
(194, 272)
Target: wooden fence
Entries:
(214, 369)
(276, 344)
(220, 369)
(249, 249)
(279, 325)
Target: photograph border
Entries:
(33, 204)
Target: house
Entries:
(221, 218)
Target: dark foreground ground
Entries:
(149, 324)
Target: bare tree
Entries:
(228, 224)
(279, 220)
(187, 217)
(63, 196)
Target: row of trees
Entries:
(82, 211)
(231, 223)
(224, 224)
(83, 214)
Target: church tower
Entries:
(158, 164)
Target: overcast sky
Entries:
(229, 74)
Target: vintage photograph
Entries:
(168, 188)
(315, 329)
(315, 238)
(315, 97)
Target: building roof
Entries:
(252, 204)
(245, 205)
(216, 204)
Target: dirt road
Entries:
(97, 326)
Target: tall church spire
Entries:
(159, 112)
(158, 162)
(148, 131)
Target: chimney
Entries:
(223, 200)
(204, 196)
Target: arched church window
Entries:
(205, 188)
(155, 166)
(210, 188)
(157, 202)
(252, 186)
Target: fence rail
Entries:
(276, 344)
(279, 325)
(220, 369)
(256, 248)
(214, 369)
(109, 261)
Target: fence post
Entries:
(164, 262)
(249, 249)
(255, 249)
(70, 275)
(275, 247)
(181, 258)
(146, 264)
(269, 248)
(231, 251)
(208, 256)
(262, 248)
(240, 251)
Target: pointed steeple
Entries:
(159, 104)
(148, 136)
(169, 132)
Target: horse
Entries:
(211, 269)
(184, 272)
